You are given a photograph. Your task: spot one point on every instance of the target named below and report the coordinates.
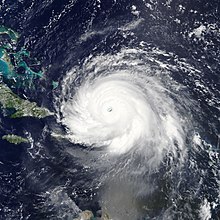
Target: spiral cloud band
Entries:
(124, 110)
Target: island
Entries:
(15, 72)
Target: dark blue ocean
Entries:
(178, 42)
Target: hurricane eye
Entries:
(109, 109)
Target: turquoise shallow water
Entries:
(4, 68)
(176, 45)
(14, 65)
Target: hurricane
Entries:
(121, 107)
(132, 118)
(109, 110)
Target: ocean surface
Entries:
(136, 129)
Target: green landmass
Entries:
(17, 70)
(14, 139)
(22, 107)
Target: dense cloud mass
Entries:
(134, 90)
